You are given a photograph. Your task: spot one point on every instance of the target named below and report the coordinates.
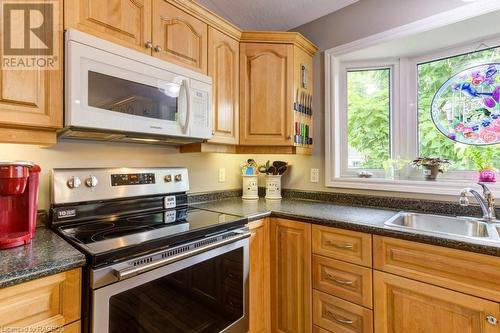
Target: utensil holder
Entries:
(273, 187)
(250, 187)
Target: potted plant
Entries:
(483, 161)
(432, 166)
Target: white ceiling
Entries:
(475, 29)
(280, 15)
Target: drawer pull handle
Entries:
(340, 245)
(339, 319)
(491, 320)
(339, 281)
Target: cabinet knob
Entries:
(148, 44)
(158, 48)
(491, 320)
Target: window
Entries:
(368, 114)
(431, 75)
(380, 120)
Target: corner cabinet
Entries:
(31, 99)
(266, 94)
(276, 92)
(290, 276)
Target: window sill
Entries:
(440, 187)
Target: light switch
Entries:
(314, 175)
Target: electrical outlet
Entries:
(222, 175)
(314, 175)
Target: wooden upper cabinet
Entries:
(291, 276)
(404, 305)
(125, 22)
(223, 67)
(31, 99)
(266, 83)
(179, 37)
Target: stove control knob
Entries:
(168, 178)
(74, 182)
(178, 177)
(91, 181)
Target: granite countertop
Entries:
(47, 254)
(370, 220)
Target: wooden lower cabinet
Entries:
(290, 276)
(42, 305)
(406, 306)
(260, 277)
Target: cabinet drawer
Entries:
(350, 282)
(346, 245)
(41, 305)
(468, 272)
(339, 316)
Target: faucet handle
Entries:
(463, 201)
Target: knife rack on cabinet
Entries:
(303, 118)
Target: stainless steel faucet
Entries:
(486, 201)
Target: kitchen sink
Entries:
(461, 226)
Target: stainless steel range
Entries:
(155, 264)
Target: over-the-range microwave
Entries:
(117, 94)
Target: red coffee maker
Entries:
(18, 202)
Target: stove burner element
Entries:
(119, 232)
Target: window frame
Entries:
(393, 66)
(403, 124)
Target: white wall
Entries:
(359, 20)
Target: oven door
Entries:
(205, 293)
(107, 91)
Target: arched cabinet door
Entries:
(124, 22)
(223, 67)
(266, 90)
(179, 37)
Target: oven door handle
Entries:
(128, 272)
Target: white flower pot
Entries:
(273, 186)
(250, 188)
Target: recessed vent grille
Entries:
(179, 250)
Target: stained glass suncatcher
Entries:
(467, 107)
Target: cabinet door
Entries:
(32, 98)
(125, 22)
(223, 67)
(179, 37)
(43, 304)
(291, 276)
(407, 306)
(266, 93)
(260, 277)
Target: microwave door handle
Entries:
(186, 90)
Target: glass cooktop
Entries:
(147, 231)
